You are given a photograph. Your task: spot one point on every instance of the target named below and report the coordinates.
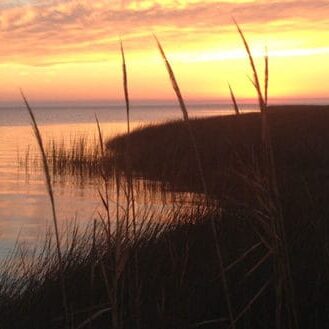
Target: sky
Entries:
(70, 49)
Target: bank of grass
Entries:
(177, 268)
(229, 146)
(231, 149)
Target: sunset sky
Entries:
(69, 49)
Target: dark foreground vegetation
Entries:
(175, 283)
(231, 150)
(168, 274)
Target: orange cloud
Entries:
(40, 29)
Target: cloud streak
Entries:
(31, 30)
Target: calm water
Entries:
(24, 204)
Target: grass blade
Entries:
(266, 76)
(130, 181)
(201, 172)
(100, 136)
(125, 86)
(121, 264)
(253, 300)
(253, 66)
(51, 196)
(173, 80)
(235, 104)
(185, 114)
(256, 83)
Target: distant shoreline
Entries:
(37, 104)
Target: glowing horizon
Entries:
(69, 50)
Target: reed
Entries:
(131, 198)
(185, 114)
(52, 200)
(125, 86)
(266, 79)
(202, 175)
(105, 178)
(130, 188)
(37, 272)
(80, 158)
(235, 104)
(256, 80)
(272, 206)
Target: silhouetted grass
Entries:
(52, 202)
(180, 287)
(78, 157)
(231, 152)
(235, 104)
(270, 208)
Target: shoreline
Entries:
(162, 152)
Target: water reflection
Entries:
(24, 204)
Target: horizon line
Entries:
(157, 101)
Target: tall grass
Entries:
(272, 206)
(79, 157)
(185, 114)
(52, 200)
(202, 175)
(98, 273)
(266, 77)
(256, 83)
(131, 194)
(125, 86)
(235, 104)
(104, 197)
(130, 189)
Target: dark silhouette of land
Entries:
(229, 146)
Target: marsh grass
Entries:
(79, 156)
(203, 180)
(130, 193)
(286, 313)
(52, 201)
(235, 104)
(99, 271)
